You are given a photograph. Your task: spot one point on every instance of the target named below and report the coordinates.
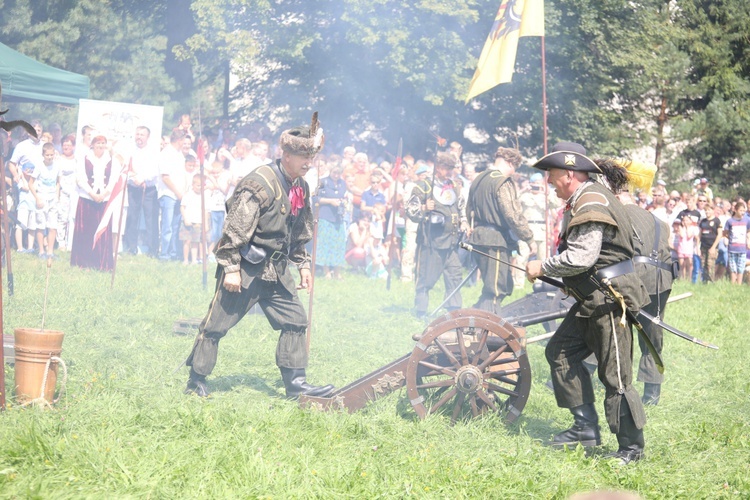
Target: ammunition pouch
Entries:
(436, 219)
(255, 254)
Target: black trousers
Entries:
(431, 263)
(142, 200)
(282, 308)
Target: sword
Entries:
(658, 322)
(454, 292)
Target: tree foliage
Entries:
(665, 80)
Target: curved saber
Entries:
(658, 322)
(640, 316)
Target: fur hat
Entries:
(568, 156)
(304, 140)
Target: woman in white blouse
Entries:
(95, 178)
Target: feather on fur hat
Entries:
(304, 140)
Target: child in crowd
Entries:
(44, 185)
(26, 212)
(217, 185)
(377, 259)
(737, 229)
(358, 241)
(687, 243)
(190, 233)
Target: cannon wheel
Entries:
(466, 363)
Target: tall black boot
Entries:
(197, 385)
(629, 438)
(651, 394)
(296, 384)
(585, 430)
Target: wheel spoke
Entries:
(484, 397)
(502, 390)
(461, 346)
(447, 352)
(500, 373)
(440, 369)
(457, 407)
(505, 361)
(438, 383)
(480, 348)
(492, 357)
(474, 407)
(447, 396)
(507, 380)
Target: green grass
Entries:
(124, 429)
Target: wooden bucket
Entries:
(36, 371)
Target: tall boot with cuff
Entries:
(197, 385)
(585, 430)
(295, 383)
(629, 438)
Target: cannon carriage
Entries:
(465, 363)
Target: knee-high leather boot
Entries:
(629, 438)
(585, 430)
(295, 383)
(197, 385)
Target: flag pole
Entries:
(547, 222)
(119, 226)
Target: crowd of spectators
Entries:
(58, 191)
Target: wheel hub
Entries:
(468, 379)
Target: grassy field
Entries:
(124, 429)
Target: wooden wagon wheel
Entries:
(468, 362)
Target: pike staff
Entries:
(7, 126)
(124, 193)
(396, 169)
(201, 160)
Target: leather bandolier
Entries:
(439, 228)
(598, 204)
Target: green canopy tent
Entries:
(27, 80)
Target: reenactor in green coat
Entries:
(269, 221)
(440, 211)
(497, 224)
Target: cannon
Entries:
(465, 363)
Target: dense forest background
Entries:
(664, 81)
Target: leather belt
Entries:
(642, 259)
(587, 287)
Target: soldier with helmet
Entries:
(268, 222)
(439, 210)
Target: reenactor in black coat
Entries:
(595, 263)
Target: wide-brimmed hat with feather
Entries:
(568, 156)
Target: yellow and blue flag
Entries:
(515, 18)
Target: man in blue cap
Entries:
(594, 261)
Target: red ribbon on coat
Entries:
(296, 198)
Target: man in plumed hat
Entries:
(268, 222)
(594, 262)
(440, 210)
(497, 225)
